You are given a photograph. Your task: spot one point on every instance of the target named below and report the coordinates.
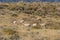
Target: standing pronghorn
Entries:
(43, 25)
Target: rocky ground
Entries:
(30, 21)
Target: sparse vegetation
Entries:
(14, 15)
(32, 21)
(37, 27)
(9, 31)
(44, 38)
(47, 11)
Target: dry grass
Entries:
(47, 12)
(33, 21)
(9, 31)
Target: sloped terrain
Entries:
(30, 21)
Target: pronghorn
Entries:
(43, 25)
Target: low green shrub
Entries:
(14, 15)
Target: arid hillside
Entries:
(30, 21)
